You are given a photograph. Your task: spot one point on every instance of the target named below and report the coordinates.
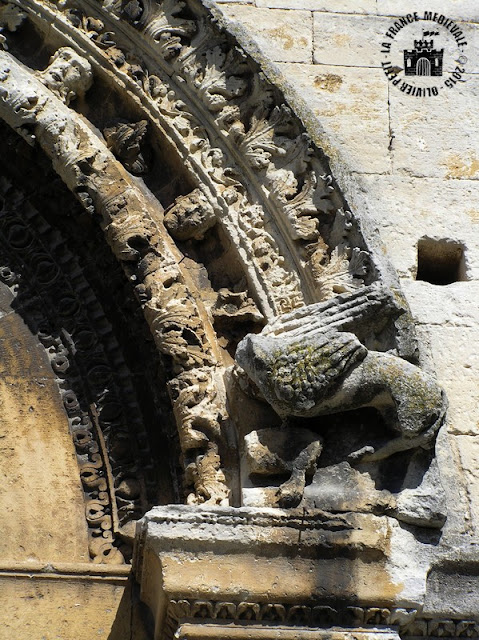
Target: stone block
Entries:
(38, 470)
(46, 603)
(468, 447)
(350, 104)
(339, 6)
(454, 9)
(284, 36)
(459, 579)
(456, 359)
(247, 564)
(408, 208)
(432, 135)
(39, 476)
(351, 40)
(356, 40)
(190, 631)
(453, 305)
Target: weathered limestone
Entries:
(342, 6)
(68, 75)
(227, 632)
(265, 566)
(275, 32)
(223, 215)
(336, 95)
(67, 601)
(308, 364)
(36, 457)
(348, 40)
(465, 9)
(423, 187)
(181, 338)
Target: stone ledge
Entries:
(207, 631)
(267, 557)
(64, 570)
(241, 528)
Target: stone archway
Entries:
(223, 216)
(76, 318)
(259, 174)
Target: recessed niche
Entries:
(440, 262)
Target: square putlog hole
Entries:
(440, 262)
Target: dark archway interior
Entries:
(74, 297)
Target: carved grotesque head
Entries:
(68, 75)
(190, 217)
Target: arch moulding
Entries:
(275, 314)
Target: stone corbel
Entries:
(242, 573)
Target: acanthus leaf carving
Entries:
(343, 272)
(166, 26)
(272, 139)
(258, 144)
(286, 172)
(209, 479)
(161, 23)
(301, 211)
(168, 104)
(215, 83)
(199, 411)
(264, 253)
(213, 160)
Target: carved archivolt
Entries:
(255, 178)
(179, 327)
(265, 179)
(55, 300)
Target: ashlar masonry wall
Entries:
(410, 162)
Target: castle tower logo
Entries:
(422, 61)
